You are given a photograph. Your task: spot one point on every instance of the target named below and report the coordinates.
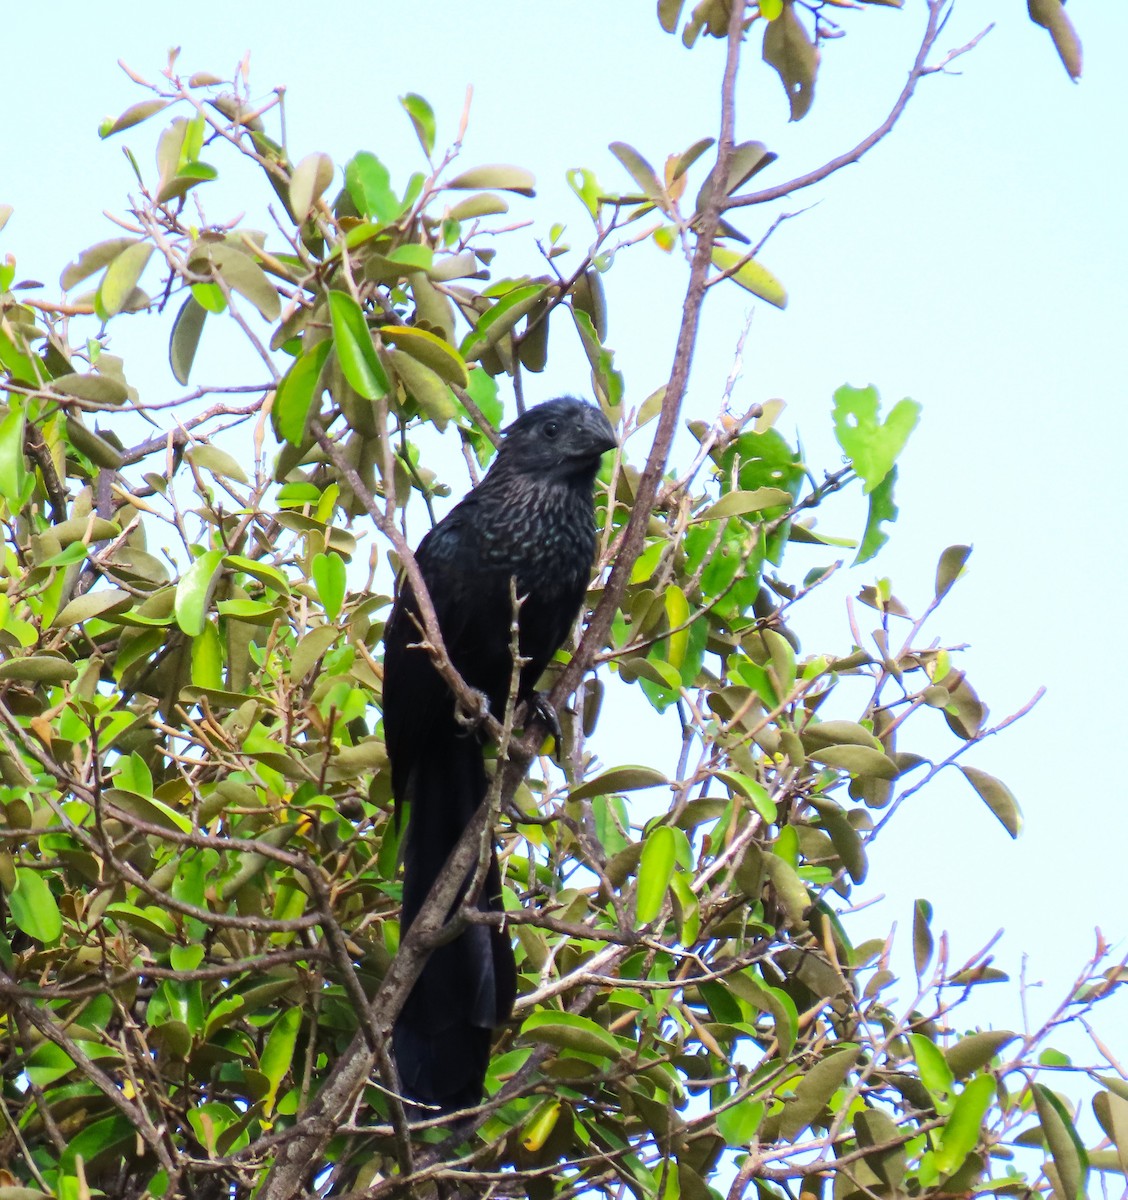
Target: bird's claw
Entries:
(537, 707)
(476, 717)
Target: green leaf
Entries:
(789, 49)
(739, 503)
(748, 159)
(1064, 1145)
(47, 1063)
(369, 185)
(815, 1089)
(310, 650)
(109, 1138)
(972, 1053)
(655, 870)
(752, 791)
(310, 179)
(767, 999)
(790, 889)
(686, 908)
(186, 330)
(495, 175)
(82, 608)
(209, 296)
(935, 1073)
(422, 119)
(587, 189)
(750, 275)
(844, 837)
(738, 1124)
(687, 158)
(93, 259)
(133, 115)
(33, 907)
(677, 614)
(329, 578)
(92, 386)
(962, 1130)
(619, 779)
(571, 1032)
(101, 452)
(858, 760)
(13, 469)
(838, 733)
(876, 1130)
(23, 367)
(484, 204)
(949, 568)
(429, 391)
(296, 393)
(121, 278)
(500, 319)
(355, 352)
(194, 591)
(270, 576)
(207, 658)
(640, 171)
(872, 446)
(1111, 1111)
(881, 510)
(218, 462)
(922, 936)
(243, 275)
(38, 668)
(278, 1053)
(998, 798)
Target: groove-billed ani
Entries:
(531, 519)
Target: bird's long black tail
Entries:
(442, 1036)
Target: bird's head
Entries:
(560, 439)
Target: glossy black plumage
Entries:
(530, 519)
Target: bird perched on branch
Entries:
(530, 520)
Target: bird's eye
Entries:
(551, 428)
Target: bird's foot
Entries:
(537, 707)
(472, 717)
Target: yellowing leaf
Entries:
(750, 275)
(121, 278)
(429, 349)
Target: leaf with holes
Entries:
(871, 444)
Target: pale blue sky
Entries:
(976, 261)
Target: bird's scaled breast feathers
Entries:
(545, 540)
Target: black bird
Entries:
(531, 519)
